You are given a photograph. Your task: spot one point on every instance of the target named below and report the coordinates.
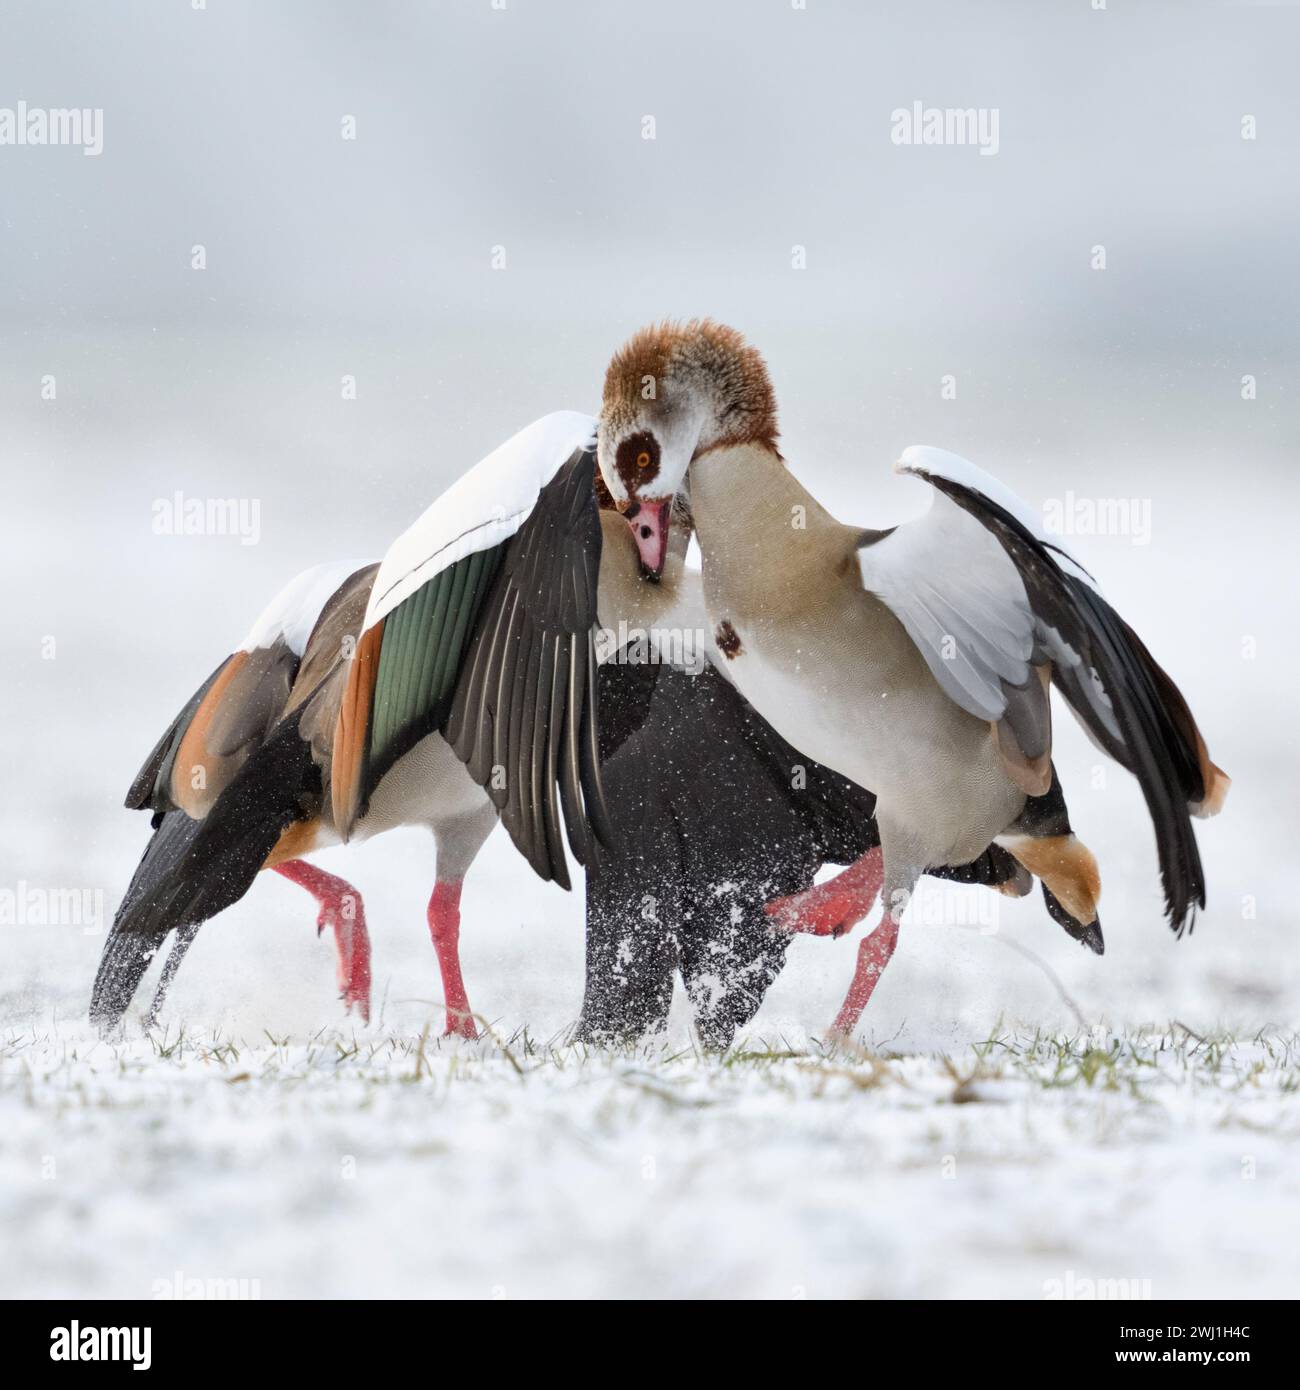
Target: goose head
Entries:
(675, 391)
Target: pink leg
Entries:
(341, 908)
(874, 952)
(831, 909)
(444, 928)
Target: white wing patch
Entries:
(481, 509)
(923, 459)
(292, 613)
(961, 600)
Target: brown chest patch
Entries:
(728, 640)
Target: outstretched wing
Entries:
(481, 625)
(988, 599)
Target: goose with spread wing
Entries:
(915, 661)
(449, 686)
(713, 814)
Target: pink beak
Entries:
(649, 521)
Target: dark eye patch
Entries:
(637, 461)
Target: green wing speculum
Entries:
(496, 652)
(420, 660)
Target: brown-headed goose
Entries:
(450, 685)
(914, 661)
(714, 815)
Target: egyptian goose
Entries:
(713, 814)
(915, 661)
(450, 685)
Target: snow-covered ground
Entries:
(330, 1161)
(375, 1163)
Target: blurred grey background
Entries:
(522, 128)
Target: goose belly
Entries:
(812, 712)
(933, 767)
(425, 786)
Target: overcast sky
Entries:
(522, 127)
